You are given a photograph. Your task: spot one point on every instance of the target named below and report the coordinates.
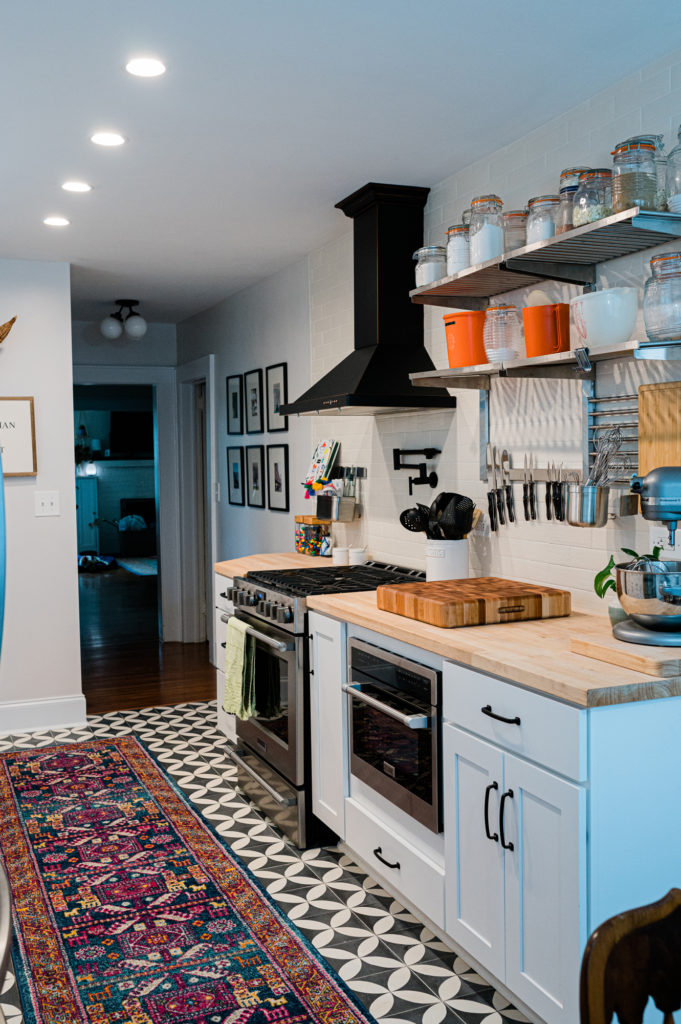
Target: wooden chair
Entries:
(630, 957)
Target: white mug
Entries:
(339, 556)
(357, 556)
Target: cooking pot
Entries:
(651, 597)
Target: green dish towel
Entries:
(239, 671)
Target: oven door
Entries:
(276, 732)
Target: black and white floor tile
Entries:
(397, 968)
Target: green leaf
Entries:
(628, 551)
(603, 580)
(656, 552)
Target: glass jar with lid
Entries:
(431, 264)
(564, 215)
(570, 177)
(466, 218)
(502, 334)
(541, 218)
(486, 234)
(515, 222)
(593, 198)
(662, 298)
(634, 175)
(458, 257)
(673, 185)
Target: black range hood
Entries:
(374, 378)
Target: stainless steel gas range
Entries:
(273, 748)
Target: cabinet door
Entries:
(328, 721)
(545, 820)
(474, 863)
(87, 511)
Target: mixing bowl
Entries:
(651, 598)
(604, 318)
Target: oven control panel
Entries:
(267, 604)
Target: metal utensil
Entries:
(558, 492)
(548, 497)
(533, 495)
(508, 487)
(499, 490)
(526, 490)
(491, 494)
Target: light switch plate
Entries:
(47, 503)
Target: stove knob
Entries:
(250, 600)
(228, 594)
(261, 608)
(284, 614)
(274, 611)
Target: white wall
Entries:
(40, 682)
(260, 326)
(157, 348)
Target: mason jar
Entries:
(673, 182)
(541, 218)
(458, 256)
(502, 334)
(564, 215)
(466, 218)
(634, 175)
(431, 264)
(593, 198)
(570, 177)
(515, 222)
(662, 298)
(486, 234)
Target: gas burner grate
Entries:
(336, 579)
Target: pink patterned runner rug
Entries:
(129, 910)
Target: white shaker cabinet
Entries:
(223, 608)
(328, 720)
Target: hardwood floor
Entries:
(124, 664)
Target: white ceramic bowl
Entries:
(604, 318)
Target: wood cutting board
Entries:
(659, 426)
(473, 602)
(659, 662)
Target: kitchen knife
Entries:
(499, 491)
(533, 493)
(526, 491)
(491, 495)
(508, 487)
(549, 497)
(558, 493)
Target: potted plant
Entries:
(604, 580)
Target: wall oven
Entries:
(395, 727)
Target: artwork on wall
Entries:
(235, 405)
(253, 401)
(235, 475)
(255, 475)
(17, 437)
(277, 477)
(277, 395)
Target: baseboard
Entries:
(36, 715)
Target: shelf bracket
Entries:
(568, 273)
(656, 221)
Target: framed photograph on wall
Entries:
(17, 437)
(277, 395)
(277, 477)
(255, 475)
(235, 404)
(235, 476)
(253, 401)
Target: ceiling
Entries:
(270, 112)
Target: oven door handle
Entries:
(281, 800)
(410, 721)
(278, 645)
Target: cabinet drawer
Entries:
(416, 877)
(220, 638)
(550, 733)
(220, 587)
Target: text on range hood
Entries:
(374, 378)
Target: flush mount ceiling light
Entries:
(145, 67)
(56, 222)
(107, 139)
(76, 186)
(134, 326)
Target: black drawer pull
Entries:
(487, 710)
(495, 837)
(224, 645)
(377, 855)
(505, 797)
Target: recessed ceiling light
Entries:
(76, 186)
(56, 222)
(145, 67)
(107, 139)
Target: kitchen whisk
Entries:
(606, 446)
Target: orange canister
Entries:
(547, 329)
(464, 330)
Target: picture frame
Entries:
(276, 378)
(255, 475)
(277, 477)
(253, 402)
(17, 436)
(234, 387)
(235, 476)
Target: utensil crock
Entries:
(588, 505)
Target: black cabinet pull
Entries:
(504, 844)
(495, 837)
(224, 645)
(377, 855)
(487, 710)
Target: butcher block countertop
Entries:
(282, 560)
(536, 654)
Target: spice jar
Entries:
(634, 175)
(564, 215)
(662, 298)
(570, 177)
(673, 183)
(458, 257)
(541, 218)
(502, 334)
(431, 264)
(486, 234)
(593, 198)
(514, 229)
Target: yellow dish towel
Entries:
(238, 688)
